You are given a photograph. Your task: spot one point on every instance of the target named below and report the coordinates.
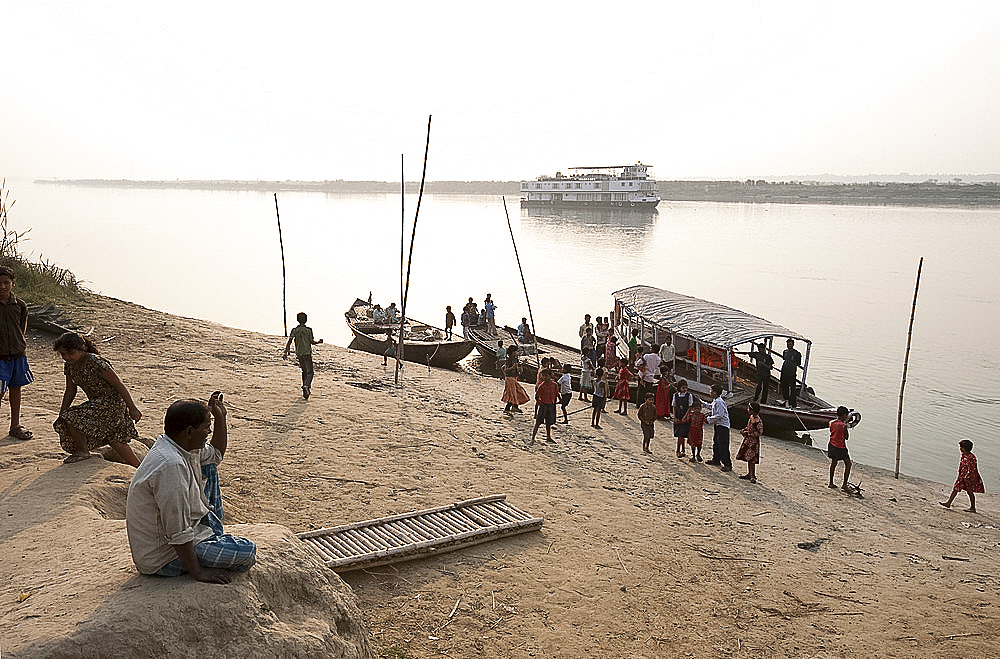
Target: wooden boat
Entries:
(712, 343)
(486, 344)
(422, 343)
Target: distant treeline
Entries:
(927, 193)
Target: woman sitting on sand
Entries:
(108, 414)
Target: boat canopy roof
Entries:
(707, 322)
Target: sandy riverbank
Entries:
(640, 556)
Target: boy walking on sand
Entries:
(546, 395)
(303, 338)
(647, 417)
(14, 372)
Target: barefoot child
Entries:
(108, 414)
(565, 383)
(14, 372)
(622, 391)
(837, 450)
(683, 401)
(750, 448)
(647, 417)
(599, 399)
(303, 338)
(696, 417)
(968, 477)
(546, 394)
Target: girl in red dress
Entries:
(968, 478)
(750, 449)
(621, 389)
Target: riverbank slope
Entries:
(640, 556)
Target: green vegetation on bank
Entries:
(40, 282)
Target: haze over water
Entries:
(841, 275)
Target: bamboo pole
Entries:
(534, 329)
(409, 262)
(906, 362)
(281, 245)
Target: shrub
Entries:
(37, 283)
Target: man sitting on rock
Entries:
(174, 509)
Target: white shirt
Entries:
(668, 353)
(650, 366)
(166, 502)
(565, 383)
(720, 413)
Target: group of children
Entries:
(673, 400)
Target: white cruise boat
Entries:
(627, 186)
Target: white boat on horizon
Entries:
(625, 186)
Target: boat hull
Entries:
(374, 339)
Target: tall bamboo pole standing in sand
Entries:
(534, 334)
(409, 261)
(281, 245)
(906, 361)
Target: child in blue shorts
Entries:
(14, 371)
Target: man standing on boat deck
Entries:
(791, 360)
(764, 364)
(667, 352)
(720, 441)
(586, 324)
(490, 308)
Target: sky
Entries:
(332, 90)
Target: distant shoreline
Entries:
(928, 193)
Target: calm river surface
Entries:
(841, 275)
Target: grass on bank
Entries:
(40, 282)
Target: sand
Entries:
(639, 556)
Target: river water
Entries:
(841, 275)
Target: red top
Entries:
(547, 392)
(838, 433)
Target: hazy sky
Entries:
(327, 90)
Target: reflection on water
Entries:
(843, 276)
(618, 217)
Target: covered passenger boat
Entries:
(713, 343)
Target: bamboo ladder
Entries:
(418, 534)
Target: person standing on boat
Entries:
(586, 324)
(764, 363)
(588, 346)
(720, 442)
(490, 309)
(791, 360)
(449, 322)
(667, 352)
(501, 356)
(601, 331)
